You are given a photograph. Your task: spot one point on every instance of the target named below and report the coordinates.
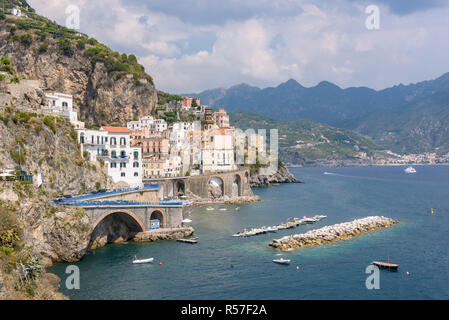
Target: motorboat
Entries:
(209, 208)
(142, 260)
(223, 209)
(282, 261)
(306, 219)
(271, 229)
(319, 216)
(410, 170)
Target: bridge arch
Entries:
(216, 187)
(237, 186)
(129, 216)
(158, 214)
(180, 187)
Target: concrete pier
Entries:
(332, 233)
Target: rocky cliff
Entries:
(282, 175)
(107, 87)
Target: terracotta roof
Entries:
(116, 129)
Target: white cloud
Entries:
(311, 44)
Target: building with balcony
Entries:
(112, 145)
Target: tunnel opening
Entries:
(115, 227)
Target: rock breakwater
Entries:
(332, 233)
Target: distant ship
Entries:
(410, 170)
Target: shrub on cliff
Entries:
(65, 47)
(43, 48)
(10, 229)
(26, 39)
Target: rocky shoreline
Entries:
(163, 234)
(332, 233)
(282, 175)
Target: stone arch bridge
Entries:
(232, 184)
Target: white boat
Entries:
(319, 217)
(410, 170)
(309, 220)
(282, 261)
(143, 260)
(186, 221)
(223, 209)
(271, 229)
(209, 208)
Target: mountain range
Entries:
(404, 118)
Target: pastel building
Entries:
(187, 102)
(113, 146)
(221, 118)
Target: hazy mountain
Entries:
(420, 126)
(325, 102)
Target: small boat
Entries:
(320, 216)
(271, 229)
(309, 220)
(209, 208)
(186, 221)
(410, 170)
(191, 240)
(237, 209)
(385, 265)
(282, 261)
(142, 260)
(223, 209)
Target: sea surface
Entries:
(224, 267)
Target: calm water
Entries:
(420, 244)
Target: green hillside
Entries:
(421, 126)
(308, 142)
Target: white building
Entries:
(113, 146)
(62, 104)
(217, 153)
(17, 12)
(148, 122)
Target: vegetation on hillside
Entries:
(35, 29)
(311, 139)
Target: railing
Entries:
(123, 203)
(113, 192)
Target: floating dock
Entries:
(191, 241)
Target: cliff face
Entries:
(282, 175)
(100, 96)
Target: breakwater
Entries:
(332, 233)
(163, 234)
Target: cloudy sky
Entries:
(193, 45)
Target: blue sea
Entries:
(224, 267)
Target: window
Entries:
(113, 154)
(136, 174)
(82, 139)
(123, 174)
(64, 104)
(122, 164)
(113, 165)
(135, 165)
(122, 153)
(113, 141)
(136, 155)
(122, 141)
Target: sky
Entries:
(189, 46)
